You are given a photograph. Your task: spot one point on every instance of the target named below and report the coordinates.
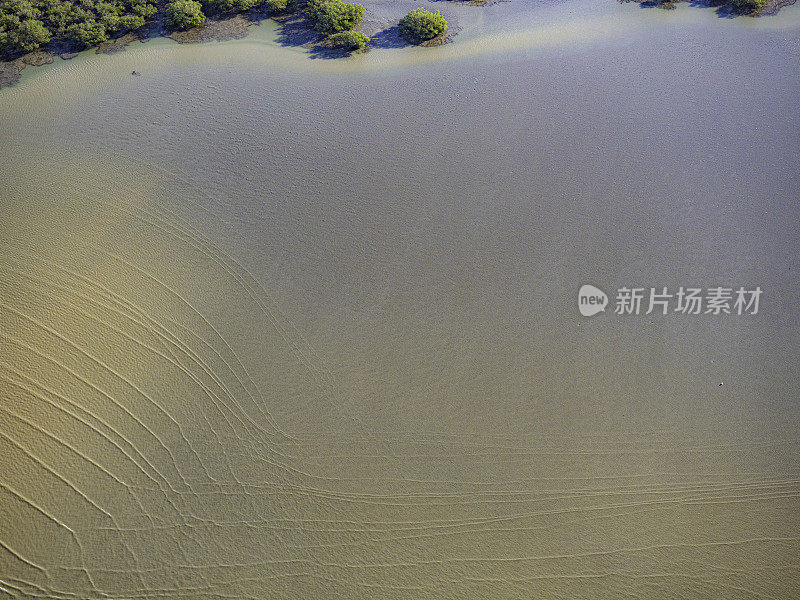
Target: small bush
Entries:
(420, 25)
(277, 6)
(87, 33)
(33, 34)
(131, 21)
(747, 7)
(28, 24)
(24, 35)
(349, 40)
(184, 14)
(227, 6)
(313, 8)
(335, 16)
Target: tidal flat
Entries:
(274, 326)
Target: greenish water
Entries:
(282, 327)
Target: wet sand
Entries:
(255, 349)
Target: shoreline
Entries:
(294, 31)
(770, 8)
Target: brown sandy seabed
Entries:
(282, 514)
(117, 319)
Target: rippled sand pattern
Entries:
(251, 349)
(141, 460)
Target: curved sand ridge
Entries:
(140, 458)
(177, 420)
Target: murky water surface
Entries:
(281, 327)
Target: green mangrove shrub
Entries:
(21, 32)
(28, 24)
(184, 14)
(277, 6)
(420, 25)
(222, 7)
(349, 40)
(312, 8)
(334, 16)
(747, 7)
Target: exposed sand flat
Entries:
(254, 349)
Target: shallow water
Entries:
(275, 326)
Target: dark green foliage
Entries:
(20, 29)
(349, 40)
(747, 7)
(335, 16)
(87, 32)
(27, 24)
(277, 6)
(184, 14)
(313, 8)
(234, 6)
(227, 6)
(131, 21)
(17, 11)
(31, 34)
(420, 25)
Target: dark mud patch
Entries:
(773, 6)
(223, 30)
(37, 58)
(383, 36)
(723, 9)
(11, 70)
(119, 44)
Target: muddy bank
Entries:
(385, 33)
(295, 30)
(119, 44)
(10, 71)
(771, 7)
(223, 30)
